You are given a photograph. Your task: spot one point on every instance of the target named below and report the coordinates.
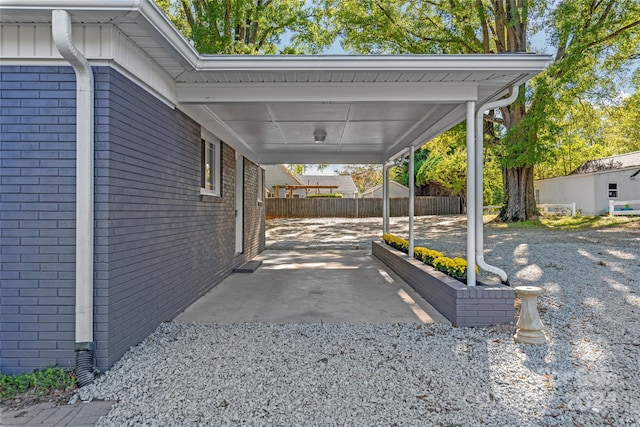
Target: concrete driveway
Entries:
(328, 286)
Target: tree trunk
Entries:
(520, 198)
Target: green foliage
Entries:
(324, 196)
(300, 169)
(40, 381)
(572, 222)
(364, 176)
(250, 26)
(595, 44)
(400, 172)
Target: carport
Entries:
(268, 109)
(357, 109)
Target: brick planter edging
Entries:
(482, 305)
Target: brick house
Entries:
(130, 178)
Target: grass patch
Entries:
(568, 222)
(38, 383)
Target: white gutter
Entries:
(61, 31)
(479, 180)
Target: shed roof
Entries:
(619, 161)
(344, 183)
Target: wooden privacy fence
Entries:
(359, 208)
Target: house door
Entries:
(239, 204)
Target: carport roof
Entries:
(267, 107)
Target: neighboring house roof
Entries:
(344, 182)
(620, 161)
(279, 175)
(391, 184)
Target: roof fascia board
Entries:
(272, 63)
(326, 92)
(71, 5)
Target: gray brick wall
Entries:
(37, 217)
(165, 244)
(254, 216)
(159, 244)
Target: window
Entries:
(210, 170)
(613, 190)
(537, 196)
(261, 189)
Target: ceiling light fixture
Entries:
(319, 136)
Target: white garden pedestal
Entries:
(529, 324)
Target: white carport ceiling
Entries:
(267, 107)
(372, 107)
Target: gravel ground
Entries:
(588, 374)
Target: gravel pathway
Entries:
(408, 374)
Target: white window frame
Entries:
(210, 159)
(609, 190)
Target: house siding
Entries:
(159, 244)
(589, 191)
(37, 217)
(570, 189)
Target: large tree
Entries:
(364, 176)
(249, 26)
(593, 40)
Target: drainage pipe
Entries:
(84, 347)
(479, 180)
(471, 186)
(412, 192)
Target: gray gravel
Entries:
(409, 374)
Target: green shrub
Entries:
(40, 381)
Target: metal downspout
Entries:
(85, 346)
(471, 197)
(479, 180)
(412, 192)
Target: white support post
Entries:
(573, 209)
(385, 198)
(471, 195)
(411, 197)
(612, 208)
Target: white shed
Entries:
(594, 183)
(395, 190)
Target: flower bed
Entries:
(485, 304)
(454, 267)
